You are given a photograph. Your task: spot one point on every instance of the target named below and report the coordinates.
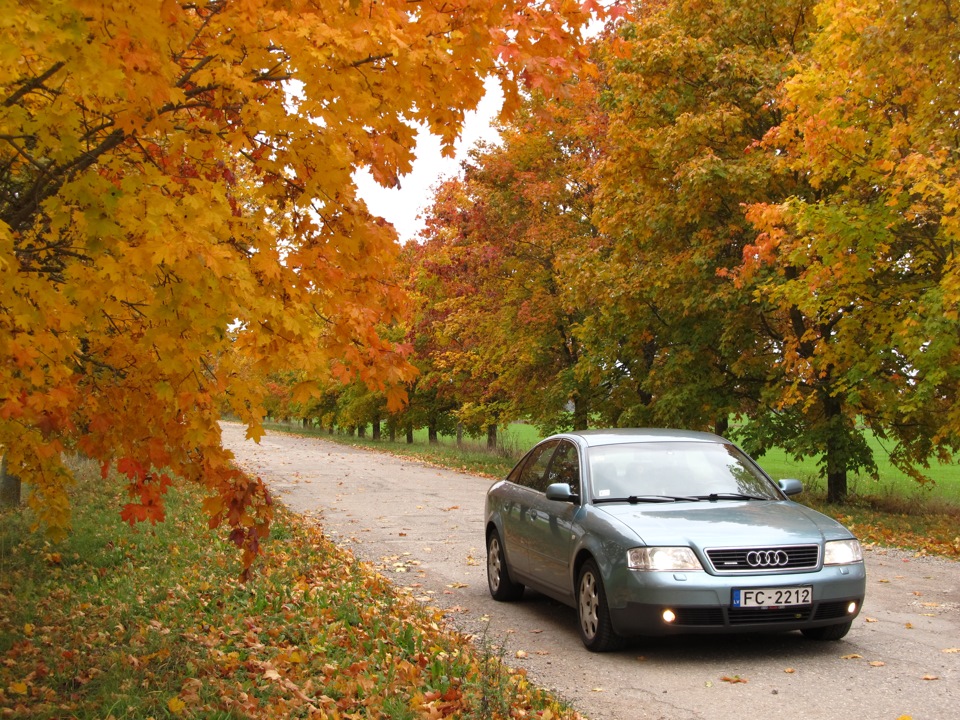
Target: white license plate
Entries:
(773, 597)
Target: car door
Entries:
(550, 535)
(525, 483)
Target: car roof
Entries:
(621, 436)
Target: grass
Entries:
(151, 622)
(893, 511)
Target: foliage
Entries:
(151, 622)
(178, 217)
(869, 124)
(503, 252)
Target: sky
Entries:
(402, 206)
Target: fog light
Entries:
(851, 608)
(669, 616)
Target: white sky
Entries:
(402, 206)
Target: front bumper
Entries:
(703, 603)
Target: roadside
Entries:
(422, 527)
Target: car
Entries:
(652, 532)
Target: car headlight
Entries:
(662, 558)
(842, 552)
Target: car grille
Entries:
(720, 617)
(765, 559)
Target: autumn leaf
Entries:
(851, 656)
(176, 706)
(733, 679)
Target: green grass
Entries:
(151, 621)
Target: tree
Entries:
(177, 211)
(692, 87)
(863, 263)
(506, 244)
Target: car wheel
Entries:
(502, 587)
(596, 629)
(830, 632)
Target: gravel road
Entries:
(422, 527)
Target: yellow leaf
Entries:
(851, 656)
(18, 688)
(28, 630)
(951, 650)
(876, 663)
(176, 705)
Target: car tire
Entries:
(593, 615)
(502, 587)
(830, 632)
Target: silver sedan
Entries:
(653, 532)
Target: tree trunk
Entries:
(361, 431)
(376, 429)
(409, 434)
(9, 486)
(722, 426)
(581, 413)
(432, 437)
(459, 435)
(492, 436)
(835, 452)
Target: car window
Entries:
(675, 468)
(533, 473)
(565, 467)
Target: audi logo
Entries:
(767, 558)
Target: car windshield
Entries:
(676, 471)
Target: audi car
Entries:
(656, 532)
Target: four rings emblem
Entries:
(767, 558)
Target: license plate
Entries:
(773, 597)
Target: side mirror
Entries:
(790, 487)
(561, 492)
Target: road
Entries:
(422, 526)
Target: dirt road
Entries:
(423, 527)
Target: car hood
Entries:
(726, 524)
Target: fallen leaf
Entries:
(876, 663)
(951, 650)
(931, 677)
(176, 706)
(734, 680)
(597, 689)
(18, 688)
(521, 654)
(870, 619)
(909, 626)
(851, 656)
(789, 671)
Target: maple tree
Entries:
(862, 262)
(505, 246)
(178, 215)
(692, 87)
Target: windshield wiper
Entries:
(731, 496)
(634, 499)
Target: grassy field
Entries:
(151, 622)
(893, 510)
